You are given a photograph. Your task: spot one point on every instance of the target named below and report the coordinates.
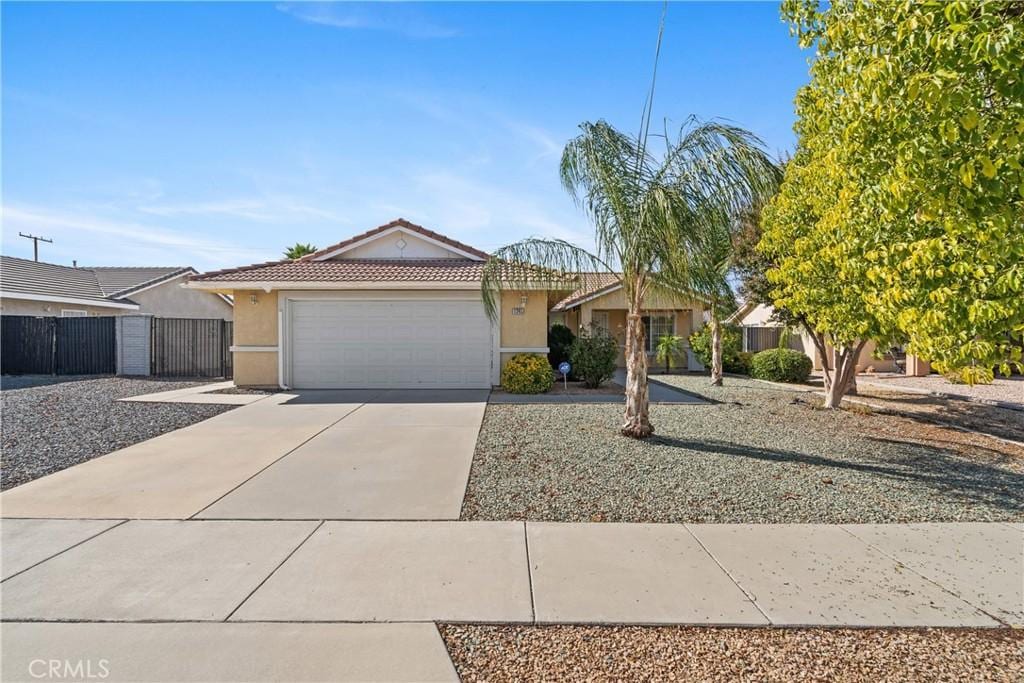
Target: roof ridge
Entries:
(398, 223)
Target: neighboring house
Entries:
(47, 289)
(398, 306)
(761, 331)
(600, 301)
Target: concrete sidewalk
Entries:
(297, 571)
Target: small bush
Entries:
(593, 357)
(739, 364)
(732, 342)
(527, 373)
(560, 338)
(781, 365)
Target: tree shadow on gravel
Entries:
(1002, 422)
(934, 468)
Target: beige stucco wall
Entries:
(256, 369)
(255, 325)
(51, 309)
(171, 300)
(529, 330)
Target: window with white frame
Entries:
(658, 326)
(73, 313)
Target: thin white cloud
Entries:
(276, 209)
(402, 19)
(123, 239)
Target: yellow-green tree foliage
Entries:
(901, 215)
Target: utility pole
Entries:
(35, 243)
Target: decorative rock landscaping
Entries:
(595, 653)
(760, 454)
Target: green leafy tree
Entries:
(298, 250)
(900, 214)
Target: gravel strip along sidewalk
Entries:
(49, 426)
(595, 653)
(759, 455)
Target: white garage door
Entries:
(430, 344)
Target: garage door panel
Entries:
(390, 344)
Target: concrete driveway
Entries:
(390, 454)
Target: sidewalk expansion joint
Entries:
(271, 464)
(930, 580)
(750, 596)
(273, 571)
(47, 559)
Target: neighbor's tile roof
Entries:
(117, 281)
(590, 284)
(398, 223)
(22, 276)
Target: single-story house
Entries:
(761, 331)
(51, 290)
(600, 302)
(398, 306)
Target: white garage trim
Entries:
(286, 311)
(525, 349)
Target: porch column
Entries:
(917, 367)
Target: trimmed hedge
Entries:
(527, 373)
(781, 365)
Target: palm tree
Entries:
(298, 250)
(668, 348)
(650, 216)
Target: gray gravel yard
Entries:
(50, 424)
(645, 653)
(759, 454)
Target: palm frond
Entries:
(535, 263)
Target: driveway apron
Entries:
(404, 456)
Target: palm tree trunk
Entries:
(637, 418)
(716, 349)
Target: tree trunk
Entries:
(845, 374)
(716, 349)
(637, 418)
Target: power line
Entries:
(35, 243)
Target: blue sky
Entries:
(214, 135)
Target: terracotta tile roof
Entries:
(590, 284)
(398, 223)
(353, 270)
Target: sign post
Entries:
(565, 368)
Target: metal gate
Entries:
(191, 347)
(57, 346)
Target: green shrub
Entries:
(740, 364)
(593, 357)
(781, 365)
(527, 373)
(560, 338)
(732, 342)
